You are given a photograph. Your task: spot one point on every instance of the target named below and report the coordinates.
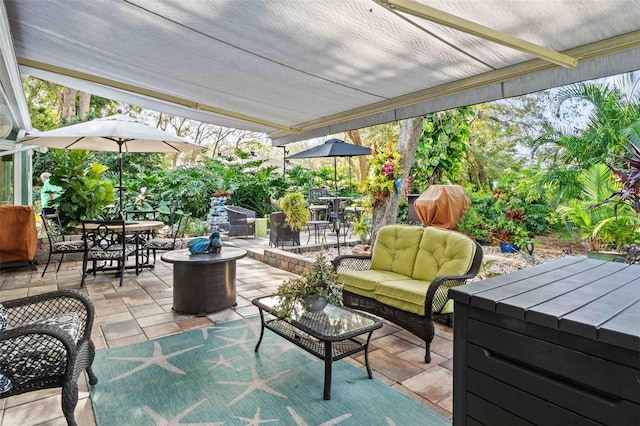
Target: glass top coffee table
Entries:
(330, 334)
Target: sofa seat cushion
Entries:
(396, 248)
(405, 294)
(364, 283)
(442, 252)
(41, 356)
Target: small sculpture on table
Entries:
(202, 245)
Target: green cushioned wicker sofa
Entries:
(407, 277)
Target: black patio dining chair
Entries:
(319, 208)
(59, 243)
(173, 241)
(144, 236)
(105, 243)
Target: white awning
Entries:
(297, 69)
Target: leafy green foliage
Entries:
(441, 148)
(86, 192)
(600, 227)
(321, 280)
(294, 206)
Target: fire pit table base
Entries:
(204, 283)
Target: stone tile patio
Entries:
(141, 310)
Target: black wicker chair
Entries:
(420, 325)
(47, 345)
(242, 222)
(280, 233)
(58, 242)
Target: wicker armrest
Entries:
(352, 262)
(29, 309)
(446, 281)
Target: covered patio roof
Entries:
(298, 69)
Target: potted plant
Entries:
(311, 291)
(294, 206)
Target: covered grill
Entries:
(442, 206)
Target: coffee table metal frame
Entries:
(331, 334)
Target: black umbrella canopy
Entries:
(333, 148)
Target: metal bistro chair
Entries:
(172, 241)
(144, 236)
(58, 243)
(318, 207)
(105, 242)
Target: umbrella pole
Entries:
(336, 218)
(120, 173)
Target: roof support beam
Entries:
(150, 93)
(452, 21)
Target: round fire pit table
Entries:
(204, 283)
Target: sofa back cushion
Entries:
(443, 252)
(396, 248)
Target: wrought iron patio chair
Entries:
(173, 241)
(58, 242)
(319, 209)
(45, 342)
(142, 237)
(105, 242)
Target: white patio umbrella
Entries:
(117, 133)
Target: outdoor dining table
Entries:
(335, 203)
(137, 227)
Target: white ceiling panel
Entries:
(301, 68)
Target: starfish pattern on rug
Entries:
(221, 361)
(284, 348)
(256, 383)
(301, 422)
(242, 342)
(161, 421)
(158, 358)
(254, 326)
(255, 421)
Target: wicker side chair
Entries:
(242, 222)
(280, 233)
(45, 342)
(58, 242)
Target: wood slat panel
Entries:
(464, 293)
(624, 329)
(586, 320)
(488, 299)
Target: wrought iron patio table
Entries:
(330, 334)
(137, 227)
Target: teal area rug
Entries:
(213, 376)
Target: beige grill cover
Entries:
(442, 206)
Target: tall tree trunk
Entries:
(354, 135)
(83, 105)
(68, 104)
(387, 213)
